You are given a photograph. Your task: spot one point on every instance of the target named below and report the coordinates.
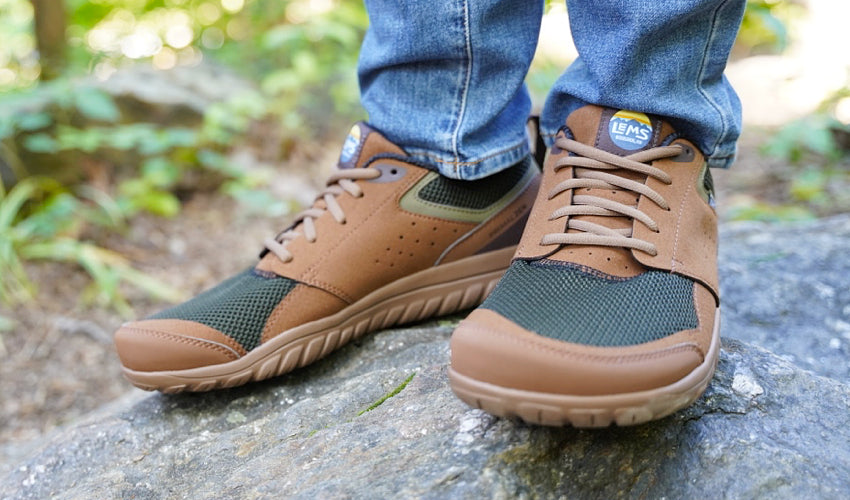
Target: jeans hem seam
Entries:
(458, 163)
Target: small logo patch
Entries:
(351, 145)
(630, 130)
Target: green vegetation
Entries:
(388, 395)
(41, 220)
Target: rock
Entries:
(785, 287)
(180, 95)
(765, 428)
(377, 418)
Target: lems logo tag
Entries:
(349, 148)
(630, 130)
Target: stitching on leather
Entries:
(208, 344)
(678, 230)
(311, 270)
(278, 310)
(330, 288)
(614, 359)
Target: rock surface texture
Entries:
(787, 289)
(766, 428)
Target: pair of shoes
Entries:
(608, 311)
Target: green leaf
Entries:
(87, 141)
(160, 172)
(59, 213)
(24, 191)
(160, 203)
(96, 104)
(30, 122)
(107, 212)
(41, 143)
(810, 185)
(214, 160)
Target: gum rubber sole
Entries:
(590, 411)
(437, 291)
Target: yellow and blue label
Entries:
(630, 130)
(351, 145)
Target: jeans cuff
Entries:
(473, 168)
(722, 157)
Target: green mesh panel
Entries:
(237, 307)
(476, 194)
(565, 302)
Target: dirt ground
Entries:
(59, 362)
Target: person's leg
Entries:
(610, 310)
(660, 57)
(444, 79)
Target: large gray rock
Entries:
(765, 428)
(787, 288)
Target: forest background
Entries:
(147, 146)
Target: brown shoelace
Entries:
(341, 181)
(591, 165)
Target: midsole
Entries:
(469, 269)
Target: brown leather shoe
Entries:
(387, 243)
(610, 309)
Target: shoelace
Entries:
(341, 181)
(591, 164)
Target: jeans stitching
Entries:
(467, 79)
(456, 162)
(705, 59)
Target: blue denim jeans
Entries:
(444, 78)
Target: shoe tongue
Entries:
(623, 133)
(364, 142)
(617, 131)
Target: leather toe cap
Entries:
(171, 344)
(492, 349)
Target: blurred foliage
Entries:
(810, 167)
(765, 25)
(42, 220)
(814, 154)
